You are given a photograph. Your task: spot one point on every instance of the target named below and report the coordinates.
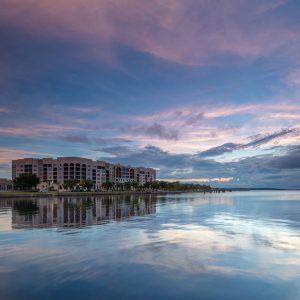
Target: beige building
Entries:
(5, 184)
(57, 171)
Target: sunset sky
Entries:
(202, 90)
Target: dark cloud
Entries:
(83, 139)
(109, 145)
(155, 130)
(291, 160)
(256, 142)
(149, 156)
(112, 141)
(258, 171)
(267, 138)
(194, 119)
(225, 148)
(117, 151)
(158, 130)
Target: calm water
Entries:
(240, 245)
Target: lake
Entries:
(239, 245)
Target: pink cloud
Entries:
(203, 126)
(4, 110)
(8, 154)
(286, 116)
(293, 78)
(37, 130)
(181, 115)
(186, 32)
(86, 109)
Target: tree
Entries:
(135, 185)
(147, 185)
(26, 181)
(127, 185)
(163, 185)
(87, 184)
(107, 185)
(155, 185)
(70, 184)
(119, 186)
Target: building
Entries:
(5, 184)
(57, 171)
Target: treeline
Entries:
(158, 185)
(176, 186)
(27, 182)
(73, 184)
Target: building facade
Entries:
(57, 171)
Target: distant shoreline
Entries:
(16, 194)
(12, 194)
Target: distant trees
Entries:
(26, 181)
(107, 185)
(135, 185)
(127, 186)
(86, 184)
(156, 185)
(175, 186)
(70, 184)
(73, 184)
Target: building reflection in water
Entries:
(78, 211)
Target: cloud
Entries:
(293, 78)
(220, 150)
(37, 130)
(111, 141)
(4, 110)
(257, 171)
(8, 154)
(267, 138)
(193, 114)
(291, 160)
(166, 28)
(83, 139)
(155, 130)
(203, 111)
(86, 109)
(116, 151)
(269, 6)
(286, 116)
(259, 140)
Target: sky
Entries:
(201, 90)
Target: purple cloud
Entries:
(181, 31)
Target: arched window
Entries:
(118, 172)
(72, 171)
(83, 171)
(131, 173)
(66, 171)
(94, 175)
(77, 171)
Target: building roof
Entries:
(5, 181)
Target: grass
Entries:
(4, 194)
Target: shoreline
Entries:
(19, 194)
(14, 194)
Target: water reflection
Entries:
(76, 211)
(190, 246)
